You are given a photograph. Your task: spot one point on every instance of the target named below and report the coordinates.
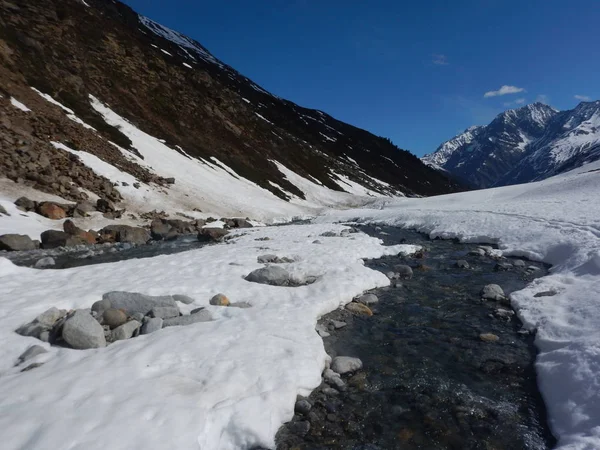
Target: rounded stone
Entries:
(359, 308)
(114, 317)
(220, 300)
(488, 337)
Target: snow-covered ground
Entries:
(225, 384)
(557, 221)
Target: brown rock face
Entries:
(51, 211)
(70, 228)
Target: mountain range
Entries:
(521, 145)
(74, 63)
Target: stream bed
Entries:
(429, 380)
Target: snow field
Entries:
(225, 384)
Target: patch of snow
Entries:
(266, 120)
(165, 52)
(328, 138)
(17, 104)
(246, 100)
(187, 65)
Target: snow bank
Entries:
(556, 221)
(225, 384)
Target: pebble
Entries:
(488, 337)
(404, 272)
(519, 263)
(45, 262)
(345, 364)
(493, 292)
(462, 264)
(337, 324)
(359, 308)
(299, 428)
(367, 299)
(302, 406)
(330, 391)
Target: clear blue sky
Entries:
(416, 72)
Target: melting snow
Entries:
(17, 104)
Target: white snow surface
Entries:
(17, 104)
(556, 221)
(225, 384)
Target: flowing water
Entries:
(428, 380)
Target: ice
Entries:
(225, 384)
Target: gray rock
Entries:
(124, 331)
(212, 234)
(113, 317)
(264, 259)
(506, 314)
(330, 391)
(219, 300)
(32, 329)
(49, 317)
(477, 252)
(197, 310)
(316, 241)
(493, 292)
(44, 336)
(545, 294)
(367, 299)
(242, 305)
(329, 234)
(100, 306)
(322, 331)
(138, 316)
(272, 275)
(486, 249)
(82, 331)
(519, 263)
(200, 316)
(151, 324)
(4, 211)
(126, 233)
(25, 204)
(133, 302)
(334, 380)
(31, 352)
(337, 324)
(159, 229)
(16, 242)
(44, 262)
(299, 428)
(345, 364)
(404, 271)
(183, 299)
(164, 312)
(533, 268)
(393, 275)
(55, 239)
(302, 406)
(462, 264)
(503, 267)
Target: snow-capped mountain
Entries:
(94, 73)
(482, 155)
(522, 145)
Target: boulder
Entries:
(345, 364)
(16, 242)
(42, 263)
(84, 208)
(242, 223)
(31, 352)
(51, 211)
(54, 239)
(133, 302)
(70, 228)
(164, 312)
(220, 300)
(49, 317)
(367, 299)
(151, 324)
(200, 316)
(105, 206)
(359, 308)
(114, 317)
(212, 234)
(124, 331)
(302, 406)
(82, 331)
(493, 292)
(462, 264)
(124, 233)
(159, 229)
(272, 275)
(404, 272)
(25, 204)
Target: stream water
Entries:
(428, 380)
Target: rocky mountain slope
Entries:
(155, 108)
(521, 145)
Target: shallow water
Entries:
(429, 381)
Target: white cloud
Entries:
(543, 98)
(504, 90)
(440, 60)
(583, 98)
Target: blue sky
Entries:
(416, 72)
